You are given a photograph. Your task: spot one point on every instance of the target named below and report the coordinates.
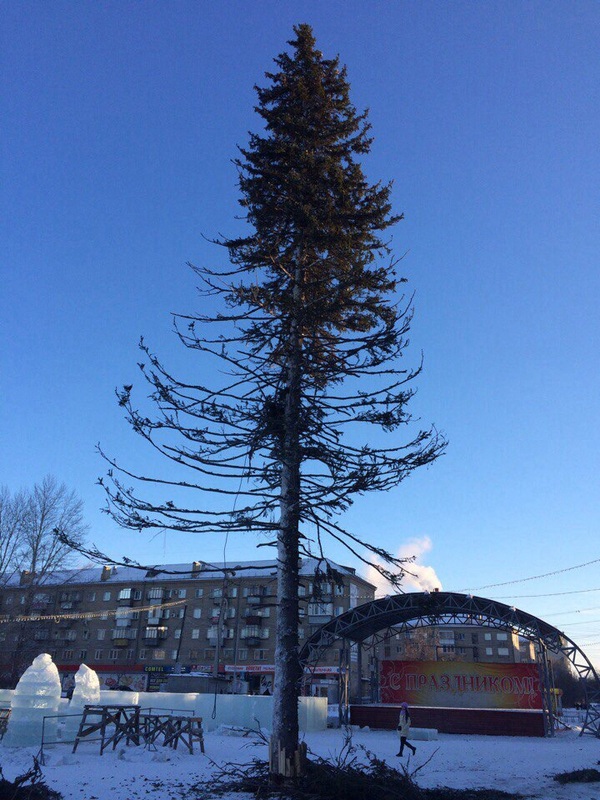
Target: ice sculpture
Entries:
(86, 692)
(37, 695)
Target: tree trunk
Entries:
(286, 757)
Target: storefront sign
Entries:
(250, 668)
(460, 684)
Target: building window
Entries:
(199, 592)
(159, 655)
(503, 651)
(98, 655)
(243, 654)
(82, 655)
(209, 654)
(178, 634)
(174, 654)
(487, 637)
(488, 651)
(260, 655)
(92, 597)
(67, 655)
(142, 655)
(85, 633)
(502, 637)
(101, 634)
(320, 609)
(195, 633)
(113, 655)
(130, 654)
(106, 596)
(104, 615)
(124, 594)
(197, 613)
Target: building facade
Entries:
(469, 643)
(139, 628)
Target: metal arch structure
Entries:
(405, 612)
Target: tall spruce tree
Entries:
(311, 332)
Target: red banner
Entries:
(461, 685)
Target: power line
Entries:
(584, 622)
(552, 594)
(573, 611)
(533, 577)
(123, 611)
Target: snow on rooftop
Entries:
(189, 570)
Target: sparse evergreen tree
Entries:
(311, 334)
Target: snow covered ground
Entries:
(515, 764)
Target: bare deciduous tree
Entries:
(30, 552)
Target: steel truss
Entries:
(405, 612)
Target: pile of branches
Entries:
(29, 786)
(591, 775)
(348, 778)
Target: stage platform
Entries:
(489, 721)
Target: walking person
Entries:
(404, 729)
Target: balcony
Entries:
(125, 598)
(123, 633)
(253, 641)
(259, 599)
(319, 619)
(253, 619)
(154, 636)
(69, 597)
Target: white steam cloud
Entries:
(420, 577)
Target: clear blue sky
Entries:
(119, 122)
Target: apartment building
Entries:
(470, 643)
(137, 628)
